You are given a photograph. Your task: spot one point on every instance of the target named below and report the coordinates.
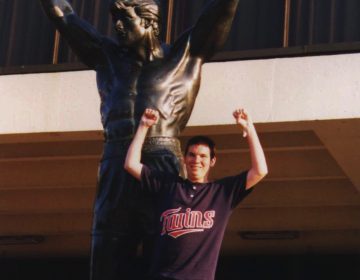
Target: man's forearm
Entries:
(133, 158)
(258, 161)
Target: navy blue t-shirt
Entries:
(192, 222)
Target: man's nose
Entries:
(197, 159)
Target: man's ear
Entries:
(212, 162)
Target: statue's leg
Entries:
(115, 238)
(114, 258)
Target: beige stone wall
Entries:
(273, 90)
(278, 90)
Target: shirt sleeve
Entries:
(235, 187)
(154, 181)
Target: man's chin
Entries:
(194, 175)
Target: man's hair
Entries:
(200, 139)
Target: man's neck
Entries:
(198, 180)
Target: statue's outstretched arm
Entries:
(212, 28)
(81, 36)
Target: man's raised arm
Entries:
(81, 36)
(259, 167)
(133, 163)
(212, 28)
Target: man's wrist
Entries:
(250, 128)
(247, 129)
(144, 125)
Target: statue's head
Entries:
(147, 10)
(137, 24)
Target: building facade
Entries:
(294, 64)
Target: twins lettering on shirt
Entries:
(176, 223)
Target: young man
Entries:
(193, 212)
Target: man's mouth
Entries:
(195, 166)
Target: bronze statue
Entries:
(135, 73)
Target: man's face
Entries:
(129, 26)
(198, 163)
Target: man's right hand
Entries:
(150, 117)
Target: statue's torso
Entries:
(126, 88)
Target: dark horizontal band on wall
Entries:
(309, 50)
(44, 68)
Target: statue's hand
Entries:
(57, 12)
(150, 117)
(57, 8)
